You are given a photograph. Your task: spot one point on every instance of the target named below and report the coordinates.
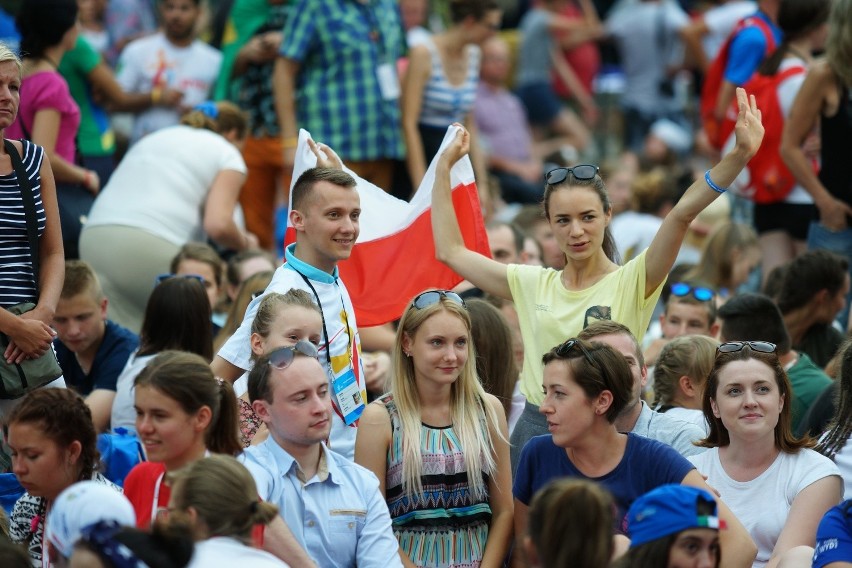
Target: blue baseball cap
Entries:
(668, 510)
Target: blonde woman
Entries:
(437, 443)
(217, 498)
(679, 377)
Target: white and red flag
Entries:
(394, 257)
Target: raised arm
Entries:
(738, 548)
(664, 248)
(807, 511)
(804, 116)
(486, 274)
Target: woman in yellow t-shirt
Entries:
(553, 305)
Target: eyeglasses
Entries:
(734, 346)
(282, 357)
(163, 277)
(583, 171)
(426, 299)
(700, 293)
(564, 350)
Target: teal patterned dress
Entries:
(446, 525)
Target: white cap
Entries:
(81, 505)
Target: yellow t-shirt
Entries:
(549, 314)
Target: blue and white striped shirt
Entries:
(16, 272)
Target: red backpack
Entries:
(769, 179)
(717, 132)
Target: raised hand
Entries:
(326, 157)
(458, 148)
(749, 128)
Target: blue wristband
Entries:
(712, 185)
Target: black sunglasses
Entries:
(564, 350)
(426, 299)
(734, 346)
(282, 357)
(163, 277)
(582, 172)
(700, 293)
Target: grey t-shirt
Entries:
(534, 55)
(646, 34)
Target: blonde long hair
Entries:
(471, 414)
(838, 45)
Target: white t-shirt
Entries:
(763, 503)
(339, 317)
(153, 61)
(786, 95)
(162, 183)
(123, 409)
(721, 21)
(225, 552)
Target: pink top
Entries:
(48, 90)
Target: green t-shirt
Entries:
(95, 137)
(807, 381)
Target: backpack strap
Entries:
(759, 23)
(29, 206)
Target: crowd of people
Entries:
(650, 366)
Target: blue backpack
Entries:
(120, 452)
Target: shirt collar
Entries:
(302, 267)
(326, 471)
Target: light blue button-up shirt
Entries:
(341, 521)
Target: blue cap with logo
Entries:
(668, 510)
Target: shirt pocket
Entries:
(346, 521)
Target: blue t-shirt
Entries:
(117, 345)
(646, 464)
(747, 51)
(834, 536)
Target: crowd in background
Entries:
(651, 365)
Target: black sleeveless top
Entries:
(835, 134)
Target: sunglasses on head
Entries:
(163, 277)
(564, 350)
(426, 299)
(582, 172)
(734, 346)
(282, 357)
(700, 293)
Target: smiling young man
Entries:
(91, 350)
(170, 60)
(325, 214)
(333, 506)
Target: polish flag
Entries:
(393, 259)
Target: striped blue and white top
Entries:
(443, 102)
(16, 272)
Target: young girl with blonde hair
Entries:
(680, 375)
(437, 443)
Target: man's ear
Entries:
(297, 220)
(261, 408)
(714, 330)
(102, 306)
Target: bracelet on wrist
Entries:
(712, 185)
(290, 142)
(156, 95)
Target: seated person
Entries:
(751, 317)
(91, 350)
(689, 310)
(333, 506)
(812, 293)
(201, 261)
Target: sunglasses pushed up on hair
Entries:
(282, 357)
(734, 346)
(581, 172)
(564, 350)
(700, 293)
(426, 299)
